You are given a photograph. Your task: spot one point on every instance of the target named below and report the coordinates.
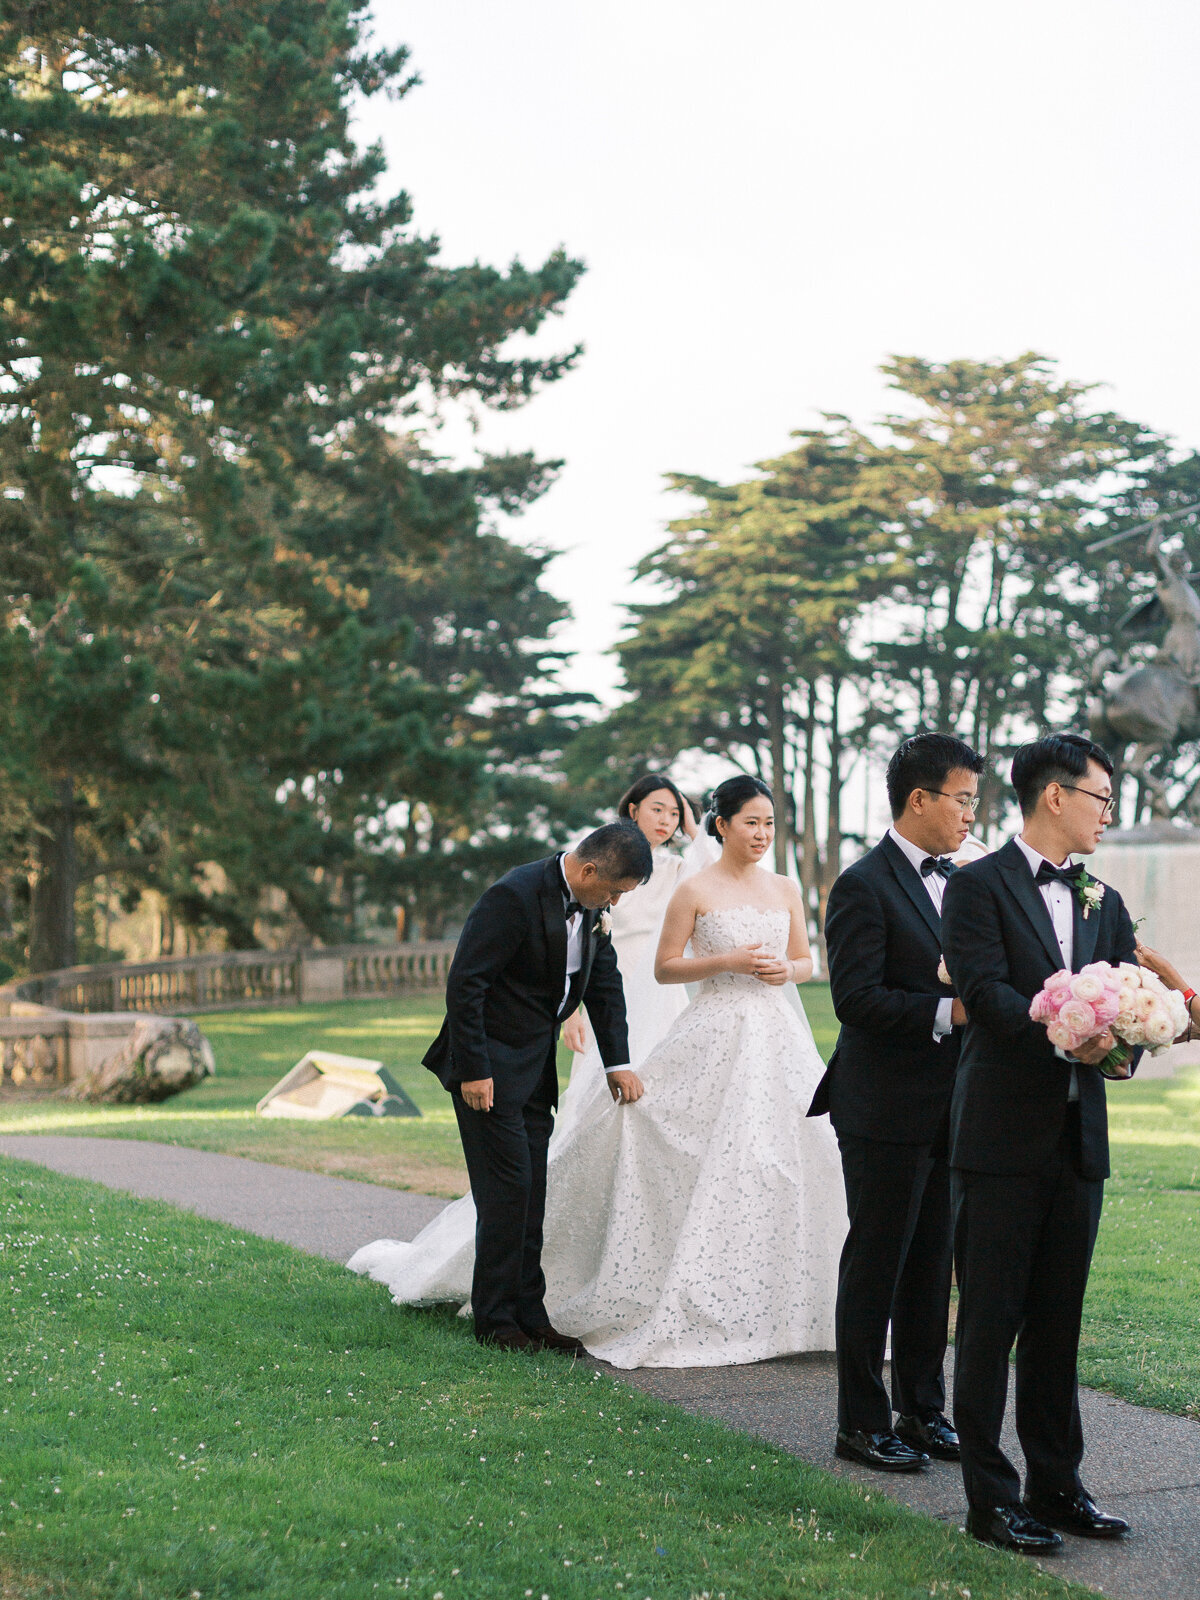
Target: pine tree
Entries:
(212, 330)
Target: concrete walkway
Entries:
(1143, 1464)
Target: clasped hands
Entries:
(752, 961)
(1094, 1051)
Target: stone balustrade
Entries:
(185, 985)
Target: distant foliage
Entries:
(930, 572)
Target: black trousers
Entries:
(895, 1266)
(1023, 1248)
(505, 1149)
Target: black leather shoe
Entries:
(548, 1338)
(1076, 1513)
(933, 1434)
(1012, 1528)
(883, 1451)
(506, 1339)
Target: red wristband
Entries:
(1188, 996)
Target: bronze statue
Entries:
(1155, 708)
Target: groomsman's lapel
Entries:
(1027, 895)
(1087, 931)
(591, 921)
(554, 921)
(909, 880)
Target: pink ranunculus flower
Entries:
(1159, 1027)
(1087, 986)
(1062, 1038)
(1079, 1017)
(1043, 1007)
(1143, 1005)
(1058, 980)
(1106, 1008)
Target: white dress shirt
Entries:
(574, 939)
(1059, 899)
(935, 886)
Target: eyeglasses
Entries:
(1108, 801)
(968, 804)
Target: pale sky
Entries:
(772, 197)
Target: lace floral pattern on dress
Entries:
(702, 1225)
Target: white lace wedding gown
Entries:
(437, 1264)
(702, 1225)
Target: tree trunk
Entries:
(833, 836)
(779, 785)
(810, 863)
(52, 912)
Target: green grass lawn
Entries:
(255, 1048)
(1139, 1335)
(188, 1411)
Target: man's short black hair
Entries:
(925, 762)
(1058, 758)
(618, 850)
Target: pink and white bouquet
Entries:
(1136, 1005)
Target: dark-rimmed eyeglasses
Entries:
(968, 804)
(1108, 801)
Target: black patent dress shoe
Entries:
(883, 1451)
(1012, 1528)
(1076, 1513)
(548, 1338)
(506, 1339)
(933, 1435)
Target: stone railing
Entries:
(239, 978)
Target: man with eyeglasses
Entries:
(888, 1091)
(1029, 1147)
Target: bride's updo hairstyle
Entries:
(728, 798)
(651, 783)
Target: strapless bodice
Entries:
(730, 926)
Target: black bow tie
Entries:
(572, 907)
(1068, 875)
(942, 864)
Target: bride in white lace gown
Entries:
(702, 1225)
(437, 1264)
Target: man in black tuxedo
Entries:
(887, 1091)
(1029, 1146)
(533, 948)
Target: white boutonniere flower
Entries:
(1090, 894)
(604, 922)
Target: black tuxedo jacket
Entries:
(888, 1078)
(1010, 1099)
(505, 987)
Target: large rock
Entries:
(162, 1056)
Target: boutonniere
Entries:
(604, 922)
(1089, 893)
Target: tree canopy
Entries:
(238, 623)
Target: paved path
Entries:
(325, 1216)
(1142, 1463)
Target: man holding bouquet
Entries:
(1029, 1146)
